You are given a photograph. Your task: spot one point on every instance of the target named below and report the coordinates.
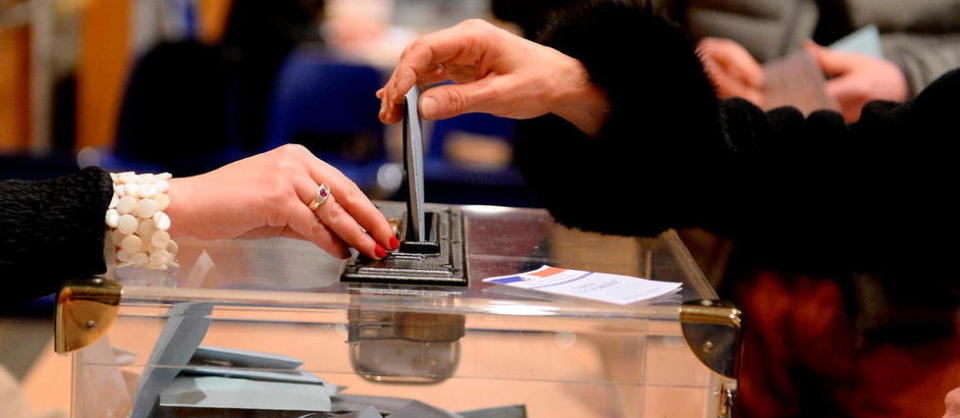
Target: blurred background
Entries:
(188, 85)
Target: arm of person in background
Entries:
(54, 230)
(731, 68)
(856, 79)
(923, 58)
(668, 154)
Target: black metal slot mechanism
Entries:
(411, 244)
(432, 247)
(440, 260)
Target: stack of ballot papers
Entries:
(283, 391)
(603, 287)
(185, 379)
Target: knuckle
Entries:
(493, 91)
(292, 149)
(286, 164)
(416, 45)
(474, 23)
(275, 190)
(410, 73)
(456, 100)
(334, 214)
(408, 49)
(348, 197)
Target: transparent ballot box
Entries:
(267, 328)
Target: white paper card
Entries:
(604, 287)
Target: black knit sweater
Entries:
(50, 231)
(807, 194)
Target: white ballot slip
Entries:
(604, 287)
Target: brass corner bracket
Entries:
(85, 310)
(712, 330)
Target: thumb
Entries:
(842, 88)
(449, 100)
(849, 96)
(832, 63)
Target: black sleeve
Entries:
(808, 192)
(51, 230)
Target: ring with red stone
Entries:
(323, 193)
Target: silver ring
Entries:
(323, 193)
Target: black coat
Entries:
(811, 195)
(50, 231)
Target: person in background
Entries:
(608, 123)
(54, 230)
(920, 41)
(212, 99)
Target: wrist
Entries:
(137, 221)
(179, 192)
(580, 101)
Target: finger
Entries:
(849, 94)
(392, 113)
(456, 45)
(346, 227)
(832, 63)
(334, 218)
(304, 223)
(339, 248)
(447, 101)
(839, 88)
(461, 44)
(713, 70)
(738, 61)
(460, 74)
(353, 201)
(728, 86)
(440, 74)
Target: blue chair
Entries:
(450, 182)
(329, 105)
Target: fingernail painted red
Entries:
(380, 251)
(394, 244)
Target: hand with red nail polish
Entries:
(269, 194)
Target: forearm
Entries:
(51, 230)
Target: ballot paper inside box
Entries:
(267, 328)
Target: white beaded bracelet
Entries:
(137, 221)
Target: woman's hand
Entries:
(732, 69)
(496, 72)
(267, 195)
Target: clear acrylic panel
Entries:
(453, 349)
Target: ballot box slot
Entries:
(432, 249)
(440, 260)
